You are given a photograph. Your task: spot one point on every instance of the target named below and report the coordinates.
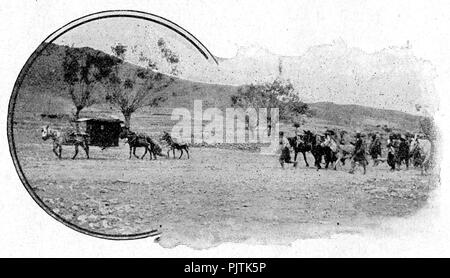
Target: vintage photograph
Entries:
(123, 125)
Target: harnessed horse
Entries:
(135, 140)
(61, 138)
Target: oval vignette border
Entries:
(23, 72)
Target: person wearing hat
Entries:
(298, 135)
(375, 149)
(403, 152)
(392, 150)
(285, 156)
(359, 154)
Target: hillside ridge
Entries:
(44, 86)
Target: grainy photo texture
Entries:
(123, 125)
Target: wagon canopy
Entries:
(103, 132)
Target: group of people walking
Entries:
(335, 150)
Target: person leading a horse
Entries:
(392, 151)
(298, 135)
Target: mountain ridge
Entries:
(45, 77)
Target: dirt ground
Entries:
(217, 196)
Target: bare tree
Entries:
(131, 88)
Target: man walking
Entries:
(392, 150)
(359, 155)
(403, 152)
(375, 149)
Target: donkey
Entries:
(174, 145)
(65, 138)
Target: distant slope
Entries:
(356, 115)
(44, 91)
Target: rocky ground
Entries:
(219, 195)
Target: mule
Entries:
(61, 138)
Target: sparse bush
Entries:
(428, 127)
(277, 94)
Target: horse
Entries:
(319, 151)
(303, 145)
(421, 152)
(154, 148)
(325, 147)
(61, 138)
(135, 140)
(345, 151)
(174, 145)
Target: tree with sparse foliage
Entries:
(83, 70)
(428, 128)
(131, 89)
(277, 94)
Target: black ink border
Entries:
(23, 73)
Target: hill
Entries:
(358, 116)
(43, 91)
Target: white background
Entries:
(285, 28)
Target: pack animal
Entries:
(135, 141)
(302, 145)
(61, 138)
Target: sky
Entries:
(288, 29)
(291, 28)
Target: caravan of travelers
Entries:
(334, 149)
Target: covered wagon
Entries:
(102, 132)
